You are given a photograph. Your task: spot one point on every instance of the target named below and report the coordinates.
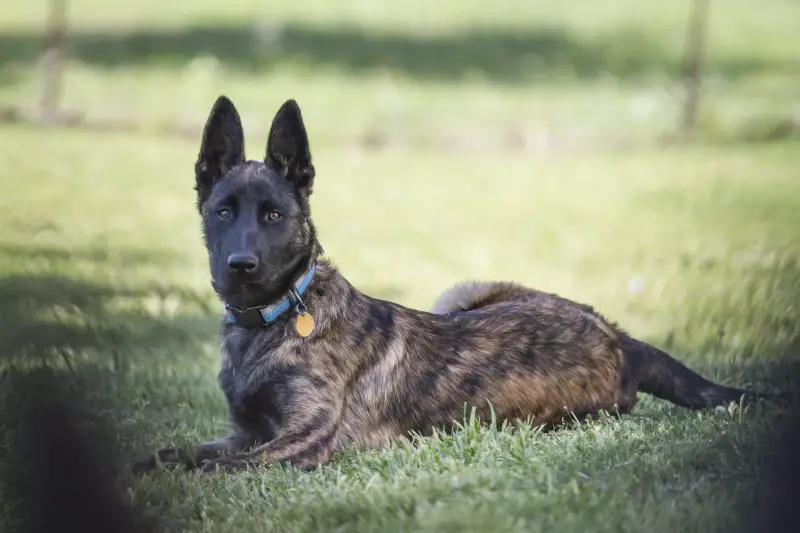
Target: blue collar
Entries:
(255, 317)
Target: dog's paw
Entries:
(143, 466)
(165, 459)
(218, 465)
(227, 465)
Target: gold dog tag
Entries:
(304, 324)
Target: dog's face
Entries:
(256, 217)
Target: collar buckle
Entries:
(297, 302)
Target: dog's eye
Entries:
(224, 214)
(273, 215)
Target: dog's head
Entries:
(256, 216)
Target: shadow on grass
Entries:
(45, 315)
(498, 55)
(50, 315)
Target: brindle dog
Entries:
(310, 364)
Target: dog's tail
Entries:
(659, 374)
(470, 295)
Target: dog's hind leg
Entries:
(653, 371)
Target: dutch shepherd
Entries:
(311, 365)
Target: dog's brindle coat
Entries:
(373, 370)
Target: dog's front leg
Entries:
(305, 447)
(172, 457)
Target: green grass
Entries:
(696, 249)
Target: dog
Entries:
(311, 365)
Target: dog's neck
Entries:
(264, 315)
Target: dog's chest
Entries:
(256, 377)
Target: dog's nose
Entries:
(242, 263)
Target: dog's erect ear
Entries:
(287, 147)
(222, 147)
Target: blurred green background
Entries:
(519, 140)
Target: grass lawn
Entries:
(696, 249)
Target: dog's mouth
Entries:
(253, 287)
(239, 286)
(250, 279)
(249, 292)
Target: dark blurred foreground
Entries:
(58, 463)
(778, 510)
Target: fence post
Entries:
(52, 64)
(693, 66)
